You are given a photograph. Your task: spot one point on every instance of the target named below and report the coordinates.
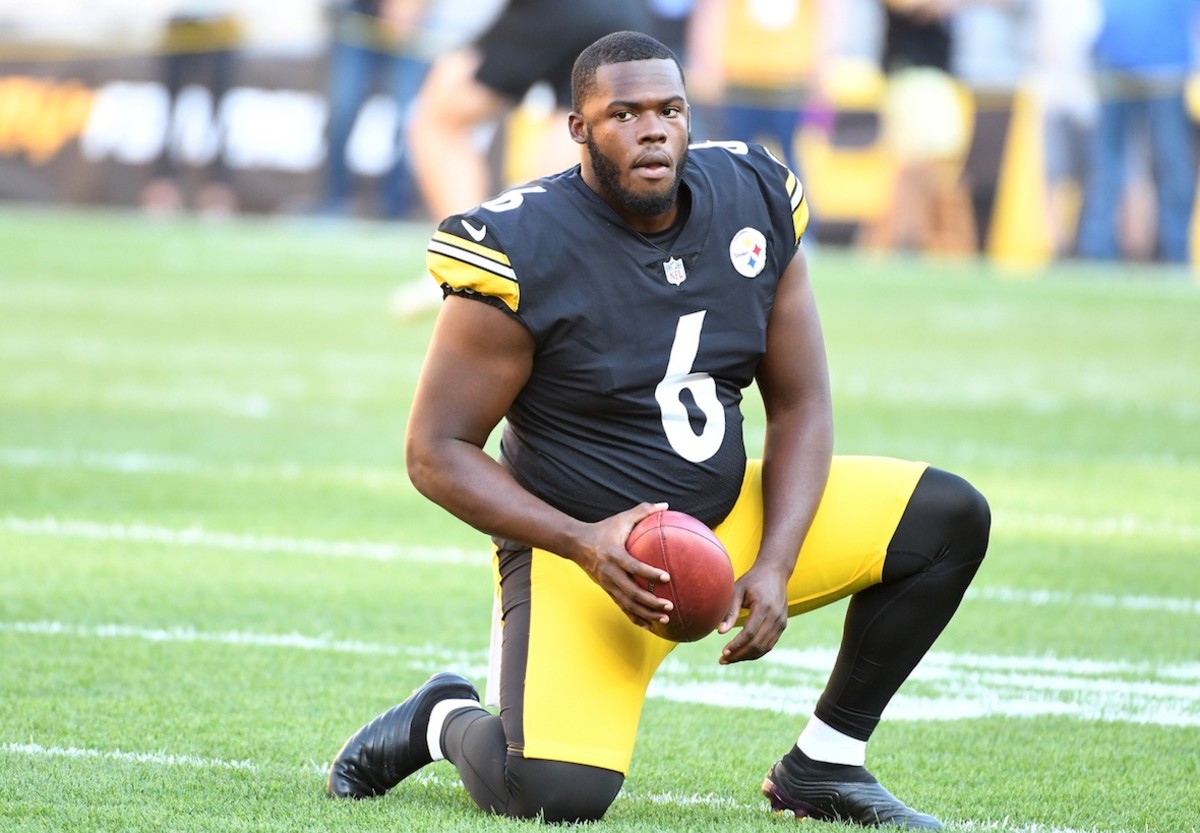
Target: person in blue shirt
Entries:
(1142, 56)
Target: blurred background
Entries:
(1023, 131)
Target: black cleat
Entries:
(859, 799)
(393, 746)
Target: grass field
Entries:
(214, 568)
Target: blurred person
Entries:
(990, 55)
(1142, 56)
(670, 21)
(924, 127)
(1062, 83)
(530, 41)
(197, 66)
(968, 57)
(758, 65)
(916, 33)
(373, 44)
(567, 300)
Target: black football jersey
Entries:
(642, 351)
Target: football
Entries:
(701, 585)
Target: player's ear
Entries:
(577, 127)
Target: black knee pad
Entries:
(556, 791)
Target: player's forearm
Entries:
(462, 479)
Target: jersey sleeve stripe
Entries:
(483, 263)
(800, 214)
(465, 276)
(455, 242)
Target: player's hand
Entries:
(763, 594)
(611, 566)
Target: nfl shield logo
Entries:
(675, 271)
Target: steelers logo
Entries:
(748, 251)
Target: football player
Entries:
(612, 316)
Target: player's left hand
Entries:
(763, 594)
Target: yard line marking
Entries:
(475, 662)
(190, 634)
(1060, 598)
(159, 758)
(945, 686)
(197, 536)
(437, 776)
(127, 462)
(136, 462)
(293, 640)
(1119, 526)
(147, 463)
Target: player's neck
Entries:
(665, 238)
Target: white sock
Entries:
(437, 720)
(822, 742)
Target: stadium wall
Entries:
(90, 131)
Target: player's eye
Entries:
(672, 112)
(623, 115)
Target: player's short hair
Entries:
(616, 48)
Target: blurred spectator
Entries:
(926, 115)
(990, 54)
(1142, 58)
(954, 67)
(530, 42)
(760, 64)
(1061, 80)
(373, 46)
(198, 50)
(916, 34)
(670, 21)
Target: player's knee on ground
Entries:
(555, 791)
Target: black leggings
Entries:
(933, 555)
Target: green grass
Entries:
(214, 568)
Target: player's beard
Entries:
(608, 175)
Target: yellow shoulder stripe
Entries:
(467, 266)
(456, 242)
(800, 214)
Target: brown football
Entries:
(701, 585)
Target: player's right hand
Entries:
(605, 559)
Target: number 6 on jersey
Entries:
(689, 445)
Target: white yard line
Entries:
(199, 537)
(137, 463)
(147, 463)
(1117, 526)
(430, 776)
(1104, 601)
(945, 686)
(35, 750)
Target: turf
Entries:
(214, 568)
